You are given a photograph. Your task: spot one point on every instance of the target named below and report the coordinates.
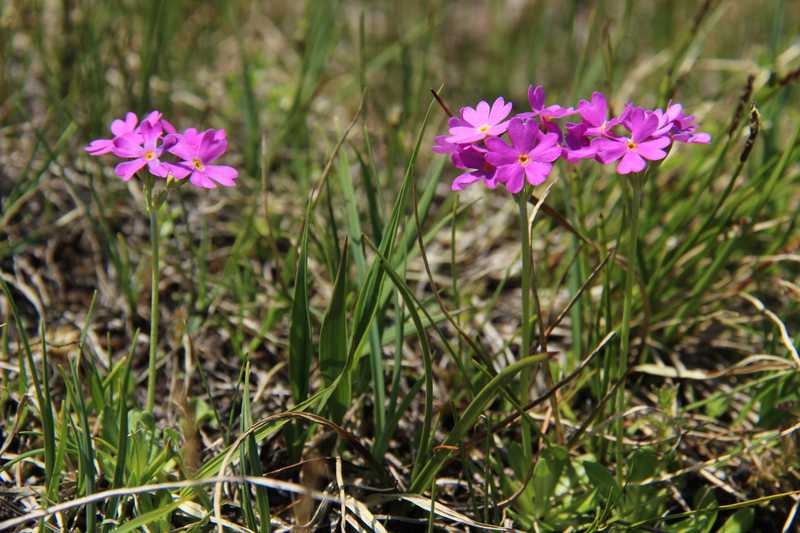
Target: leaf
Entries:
(333, 345)
(546, 474)
(370, 295)
(300, 345)
(356, 248)
(602, 480)
(424, 443)
(643, 465)
(739, 522)
(446, 512)
(702, 520)
(157, 514)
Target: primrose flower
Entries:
(640, 145)
(530, 155)
(595, 114)
(577, 144)
(156, 119)
(119, 128)
(442, 146)
(471, 157)
(198, 150)
(127, 127)
(143, 149)
(480, 122)
(684, 130)
(545, 114)
(495, 149)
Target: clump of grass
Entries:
(338, 335)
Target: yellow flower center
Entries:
(197, 164)
(631, 145)
(523, 159)
(149, 155)
(484, 128)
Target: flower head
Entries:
(143, 149)
(632, 150)
(530, 155)
(197, 151)
(476, 124)
(128, 127)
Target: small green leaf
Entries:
(602, 480)
(739, 522)
(643, 464)
(300, 345)
(546, 474)
(333, 344)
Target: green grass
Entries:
(340, 337)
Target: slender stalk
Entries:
(525, 374)
(154, 281)
(633, 199)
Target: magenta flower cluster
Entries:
(534, 140)
(149, 143)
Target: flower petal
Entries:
(507, 173)
(129, 145)
(536, 97)
(596, 111)
(127, 169)
(523, 135)
(537, 172)
(646, 128)
(546, 154)
(609, 150)
(222, 174)
(99, 146)
(500, 110)
(652, 150)
(210, 147)
(513, 178)
(500, 153)
(177, 170)
(463, 181)
(200, 179)
(630, 162)
(464, 135)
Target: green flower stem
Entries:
(154, 281)
(633, 200)
(525, 374)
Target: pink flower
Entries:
(119, 128)
(197, 151)
(683, 129)
(143, 148)
(577, 143)
(481, 122)
(545, 114)
(550, 112)
(471, 157)
(595, 114)
(640, 145)
(442, 146)
(128, 127)
(530, 155)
